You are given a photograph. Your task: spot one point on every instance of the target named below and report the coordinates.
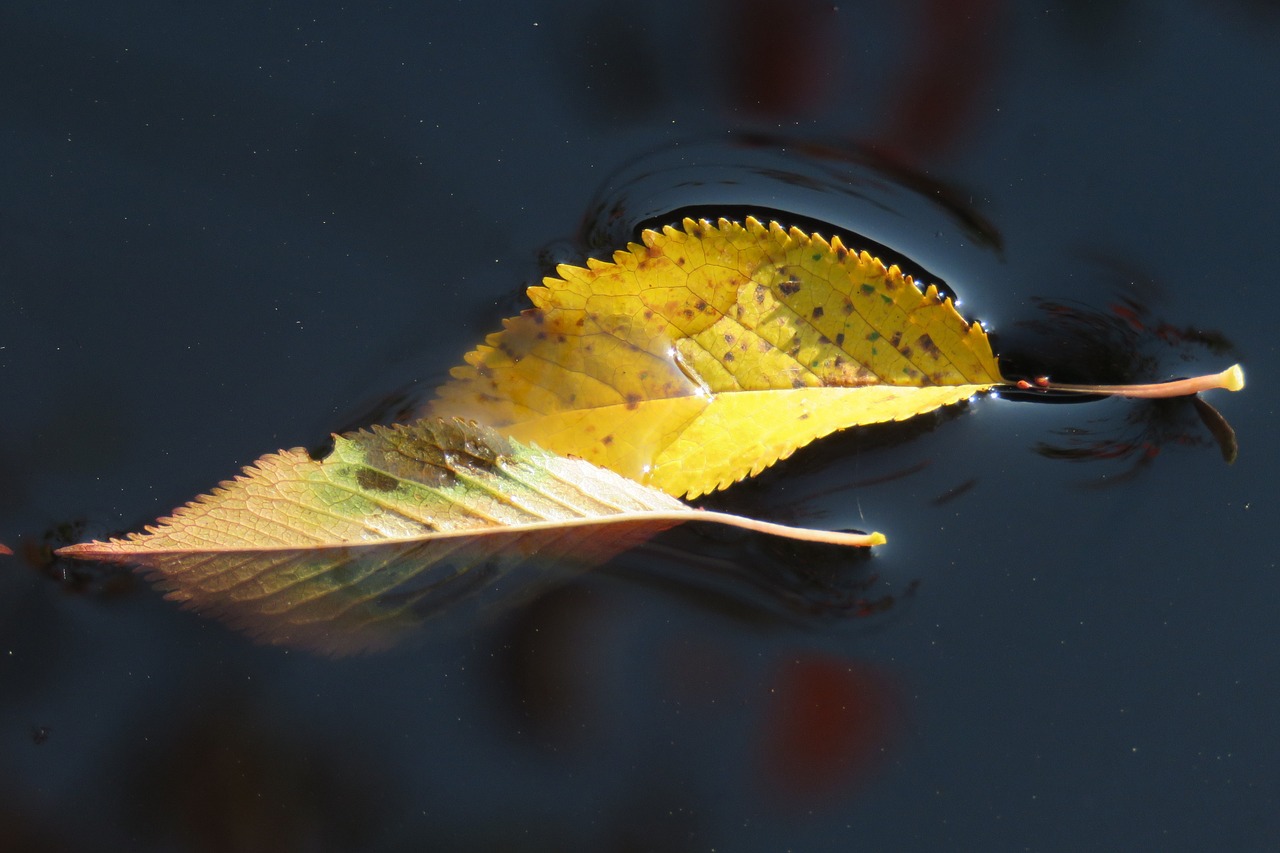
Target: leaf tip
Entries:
(80, 551)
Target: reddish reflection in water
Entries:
(786, 64)
(230, 779)
(953, 51)
(782, 63)
(829, 724)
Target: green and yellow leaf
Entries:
(349, 552)
(709, 353)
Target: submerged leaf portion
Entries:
(349, 552)
(709, 353)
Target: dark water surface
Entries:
(226, 230)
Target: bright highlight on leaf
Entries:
(349, 552)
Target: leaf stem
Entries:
(803, 534)
(1231, 379)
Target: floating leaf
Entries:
(348, 552)
(4, 549)
(705, 355)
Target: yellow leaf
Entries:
(709, 353)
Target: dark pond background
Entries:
(230, 228)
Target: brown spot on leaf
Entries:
(847, 306)
(760, 292)
(608, 439)
(728, 338)
(926, 343)
(789, 288)
(728, 356)
(797, 382)
(817, 312)
(510, 352)
(376, 481)
(896, 340)
(839, 339)
(633, 401)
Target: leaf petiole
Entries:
(803, 534)
(1231, 379)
